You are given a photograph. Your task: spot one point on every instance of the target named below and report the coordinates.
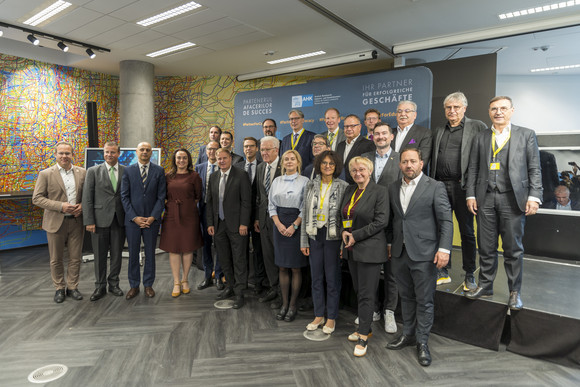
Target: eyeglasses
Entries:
(351, 126)
(406, 111)
(328, 163)
(502, 109)
(268, 126)
(265, 150)
(295, 118)
(454, 107)
(317, 143)
(360, 170)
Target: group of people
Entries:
(381, 202)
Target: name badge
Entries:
(494, 166)
(320, 217)
(347, 223)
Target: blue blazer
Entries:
(139, 200)
(304, 146)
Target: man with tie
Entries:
(504, 185)
(59, 190)
(228, 218)
(386, 172)
(354, 144)
(269, 169)
(300, 139)
(450, 158)
(335, 135)
(104, 218)
(205, 170)
(372, 118)
(143, 190)
(214, 135)
(422, 236)
(410, 135)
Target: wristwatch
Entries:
(295, 226)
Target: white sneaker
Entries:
(390, 323)
(376, 317)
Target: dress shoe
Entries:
(115, 291)
(74, 293)
(314, 326)
(478, 293)
(328, 330)
(149, 292)
(174, 293)
(59, 296)
(281, 313)
(402, 342)
(206, 283)
(291, 315)
(269, 296)
(185, 290)
(227, 293)
(132, 293)
(515, 301)
(98, 294)
(423, 355)
(359, 352)
(238, 302)
(219, 284)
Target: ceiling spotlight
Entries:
(1, 32)
(33, 39)
(90, 53)
(62, 46)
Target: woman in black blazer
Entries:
(365, 216)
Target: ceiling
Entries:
(232, 36)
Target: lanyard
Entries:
(297, 140)
(353, 202)
(325, 192)
(495, 152)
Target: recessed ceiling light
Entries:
(169, 50)
(169, 14)
(568, 67)
(543, 8)
(48, 13)
(296, 57)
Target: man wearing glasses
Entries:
(300, 139)
(372, 118)
(504, 185)
(410, 135)
(319, 145)
(269, 128)
(354, 145)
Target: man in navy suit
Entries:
(300, 139)
(143, 195)
(354, 144)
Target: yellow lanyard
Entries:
(495, 152)
(325, 192)
(353, 202)
(334, 135)
(297, 140)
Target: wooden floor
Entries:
(187, 342)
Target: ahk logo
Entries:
(299, 101)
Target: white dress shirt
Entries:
(401, 134)
(68, 177)
(348, 147)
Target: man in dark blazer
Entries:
(104, 218)
(422, 224)
(300, 139)
(319, 144)
(59, 191)
(449, 161)
(410, 135)
(334, 134)
(214, 135)
(354, 145)
(504, 185)
(562, 200)
(143, 192)
(228, 218)
(205, 170)
(227, 142)
(386, 172)
(267, 171)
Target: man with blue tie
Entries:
(300, 139)
(143, 192)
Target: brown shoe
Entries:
(132, 293)
(149, 292)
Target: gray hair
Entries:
(299, 112)
(322, 137)
(271, 139)
(457, 96)
(409, 102)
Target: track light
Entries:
(33, 39)
(90, 53)
(1, 32)
(62, 46)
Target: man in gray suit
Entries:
(335, 135)
(449, 161)
(504, 184)
(421, 243)
(104, 218)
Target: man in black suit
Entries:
(250, 166)
(386, 172)
(228, 217)
(227, 142)
(504, 185)
(410, 135)
(334, 134)
(267, 171)
(300, 139)
(214, 135)
(143, 192)
(561, 200)
(104, 218)
(354, 144)
(422, 224)
(450, 158)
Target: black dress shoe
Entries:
(281, 313)
(269, 296)
(402, 342)
(98, 294)
(515, 301)
(478, 293)
(115, 291)
(291, 315)
(238, 302)
(59, 296)
(206, 283)
(74, 293)
(219, 284)
(423, 355)
(227, 293)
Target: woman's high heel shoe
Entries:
(314, 326)
(174, 294)
(183, 289)
(282, 313)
